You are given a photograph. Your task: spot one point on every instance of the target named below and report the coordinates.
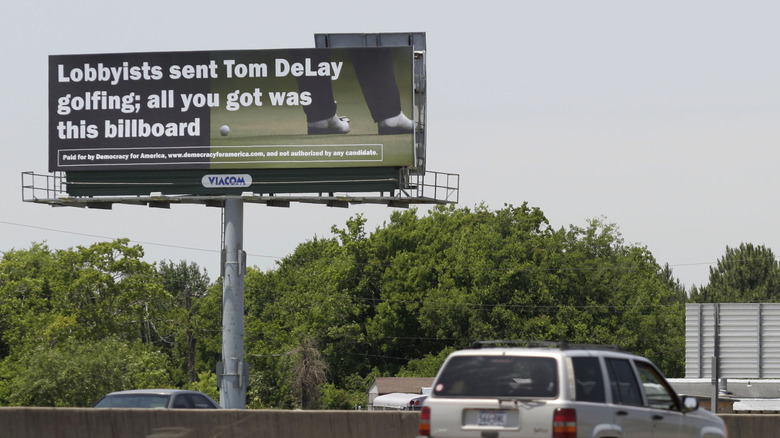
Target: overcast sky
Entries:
(662, 117)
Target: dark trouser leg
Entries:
(374, 69)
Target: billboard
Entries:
(246, 109)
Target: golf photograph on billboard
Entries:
(244, 109)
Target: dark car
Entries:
(157, 399)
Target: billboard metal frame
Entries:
(414, 39)
(431, 188)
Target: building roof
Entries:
(411, 385)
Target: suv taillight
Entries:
(565, 423)
(424, 427)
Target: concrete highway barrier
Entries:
(180, 423)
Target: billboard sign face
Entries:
(249, 109)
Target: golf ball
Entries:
(224, 130)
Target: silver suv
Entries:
(558, 390)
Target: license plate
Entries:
(492, 418)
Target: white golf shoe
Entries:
(333, 125)
(399, 124)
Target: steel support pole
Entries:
(715, 389)
(232, 391)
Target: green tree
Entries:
(396, 301)
(307, 297)
(747, 274)
(55, 305)
(613, 293)
(77, 373)
(25, 297)
(108, 290)
(187, 283)
(206, 383)
(207, 314)
(427, 366)
(334, 398)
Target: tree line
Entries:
(340, 311)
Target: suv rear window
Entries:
(498, 376)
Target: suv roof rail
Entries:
(563, 345)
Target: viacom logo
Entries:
(216, 181)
